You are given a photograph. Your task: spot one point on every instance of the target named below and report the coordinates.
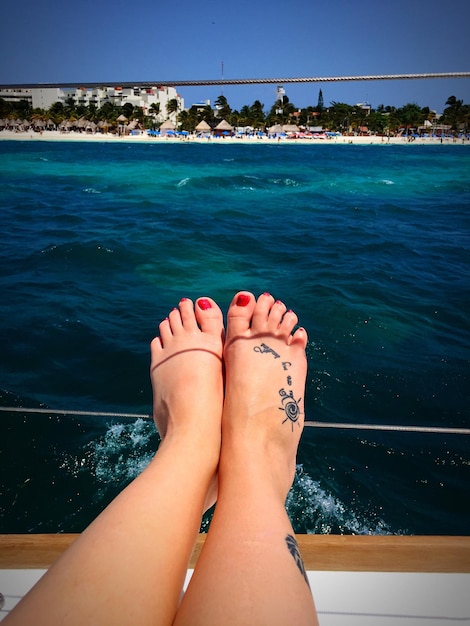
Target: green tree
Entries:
(340, 116)
(320, 103)
(127, 109)
(222, 107)
(257, 115)
(154, 109)
(172, 106)
(454, 113)
(411, 116)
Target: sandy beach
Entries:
(53, 135)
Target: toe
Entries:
(188, 317)
(164, 337)
(299, 338)
(240, 313)
(209, 316)
(261, 312)
(275, 315)
(288, 323)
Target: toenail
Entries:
(242, 300)
(266, 293)
(183, 299)
(204, 304)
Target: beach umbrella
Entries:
(224, 126)
(121, 118)
(203, 127)
(290, 128)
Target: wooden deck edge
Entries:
(387, 553)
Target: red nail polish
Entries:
(242, 300)
(183, 299)
(204, 304)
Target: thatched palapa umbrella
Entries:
(167, 128)
(203, 127)
(223, 128)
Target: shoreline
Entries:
(54, 135)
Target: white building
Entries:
(143, 97)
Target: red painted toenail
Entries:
(204, 304)
(183, 299)
(242, 300)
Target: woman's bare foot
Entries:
(187, 382)
(266, 370)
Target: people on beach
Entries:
(229, 407)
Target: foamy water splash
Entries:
(126, 449)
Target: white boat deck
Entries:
(355, 596)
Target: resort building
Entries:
(143, 97)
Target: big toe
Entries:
(209, 316)
(240, 313)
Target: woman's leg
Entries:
(129, 566)
(250, 570)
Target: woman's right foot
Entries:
(186, 375)
(266, 369)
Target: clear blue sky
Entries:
(117, 41)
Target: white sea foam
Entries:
(183, 182)
(314, 510)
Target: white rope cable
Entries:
(238, 81)
(312, 424)
(391, 427)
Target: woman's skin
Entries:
(250, 570)
(129, 565)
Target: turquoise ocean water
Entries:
(368, 244)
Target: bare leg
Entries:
(250, 571)
(129, 566)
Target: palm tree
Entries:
(453, 112)
(222, 106)
(172, 106)
(411, 115)
(154, 110)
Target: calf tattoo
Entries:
(293, 548)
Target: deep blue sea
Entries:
(370, 245)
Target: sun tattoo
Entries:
(290, 406)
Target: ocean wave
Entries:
(115, 458)
(125, 450)
(91, 190)
(313, 510)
